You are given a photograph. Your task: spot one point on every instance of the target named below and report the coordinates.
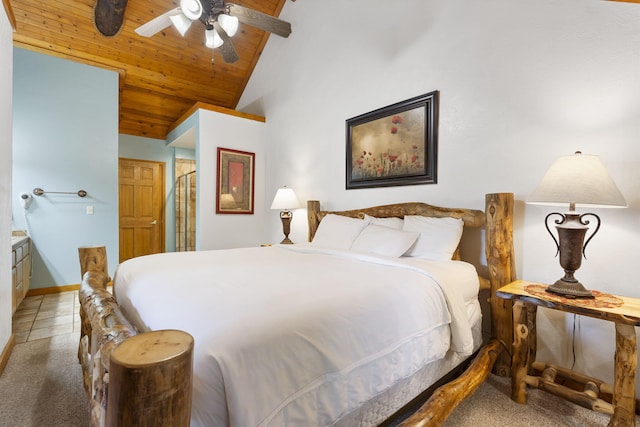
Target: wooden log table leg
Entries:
(532, 312)
(625, 377)
(520, 357)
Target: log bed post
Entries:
(150, 378)
(502, 271)
(163, 396)
(313, 209)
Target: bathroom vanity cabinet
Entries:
(20, 268)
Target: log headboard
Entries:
(471, 217)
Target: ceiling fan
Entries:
(221, 22)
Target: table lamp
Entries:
(579, 179)
(285, 200)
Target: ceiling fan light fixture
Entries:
(212, 38)
(229, 24)
(192, 9)
(181, 22)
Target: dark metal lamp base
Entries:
(569, 289)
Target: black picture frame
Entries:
(394, 145)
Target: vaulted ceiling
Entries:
(161, 77)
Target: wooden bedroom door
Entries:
(141, 193)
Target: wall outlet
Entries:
(89, 210)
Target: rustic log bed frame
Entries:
(162, 387)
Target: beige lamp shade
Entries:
(579, 179)
(285, 199)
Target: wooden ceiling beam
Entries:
(9, 11)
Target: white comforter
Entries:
(292, 335)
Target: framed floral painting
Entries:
(235, 181)
(394, 145)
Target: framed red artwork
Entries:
(235, 181)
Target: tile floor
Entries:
(44, 316)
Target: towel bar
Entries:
(40, 192)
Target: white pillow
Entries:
(381, 240)
(439, 237)
(337, 231)
(391, 222)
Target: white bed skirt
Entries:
(377, 410)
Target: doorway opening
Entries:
(185, 191)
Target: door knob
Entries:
(154, 222)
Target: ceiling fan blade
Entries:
(157, 24)
(227, 50)
(260, 20)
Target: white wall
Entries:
(222, 231)
(6, 84)
(521, 83)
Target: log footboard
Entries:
(103, 328)
(162, 362)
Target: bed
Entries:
(282, 339)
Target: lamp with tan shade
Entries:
(285, 200)
(582, 180)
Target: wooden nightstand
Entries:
(623, 311)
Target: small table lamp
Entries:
(285, 200)
(583, 180)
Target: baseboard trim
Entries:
(6, 353)
(52, 290)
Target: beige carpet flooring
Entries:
(491, 406)
(42, 386)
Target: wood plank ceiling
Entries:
(161, 77)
